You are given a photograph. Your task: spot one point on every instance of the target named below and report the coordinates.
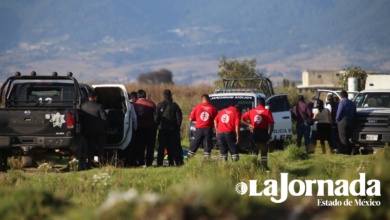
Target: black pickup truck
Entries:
(41, 117)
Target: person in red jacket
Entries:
(227, 123)
(260, 119)
(146, 130)
(204, 115)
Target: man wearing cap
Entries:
(147, 129)
(204, 115)
(227, 124)
(168, 117)
(300, 114)
(260, 120)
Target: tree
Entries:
(353, 71)
(162, 76)
(232, 68)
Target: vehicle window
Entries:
(222, 102)
(44, 92)
(278, 104)
(370, 100)
(84, 91)
(40, 94)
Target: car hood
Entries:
(373, 110)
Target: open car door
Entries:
(115, 101)
(322, 95)
(280, 108)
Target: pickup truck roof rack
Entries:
(264, 83)
(55, 76)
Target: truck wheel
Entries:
(3, 162)
(365, 152)
(82, 154)
(29, 161)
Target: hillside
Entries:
(110, 36)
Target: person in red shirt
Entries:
(260, 119)
(204, 115)
(146, 130)
(227, 123)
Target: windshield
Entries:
(370, 100)
(222, 102)
(41, 93)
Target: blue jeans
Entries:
(303, 130)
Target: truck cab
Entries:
(247, 98)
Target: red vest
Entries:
(204, 115)
(228, 119)
(260, 117)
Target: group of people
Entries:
(334, 117)
(147, 119)
(227, 124)
(166, 117)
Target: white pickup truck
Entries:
(372, 122)
(247, 98)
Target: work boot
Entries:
(235, 157)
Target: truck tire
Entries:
(366, 152)
(29, 161)
(3, 162)
(81, 154)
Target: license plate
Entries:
(372, 137)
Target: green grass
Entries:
(200, 188)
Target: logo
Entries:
(241, 188)
(28, 112)
(57, 119)
(325, 187)
(259, 111)
(204, 116)
(206, 108)
(225, 118)
(258, 119)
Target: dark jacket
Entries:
(168, 115)
(335, 107)
(94, 119)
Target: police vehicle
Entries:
(247, 98)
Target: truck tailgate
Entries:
(32, 122)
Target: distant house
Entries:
(320, 79)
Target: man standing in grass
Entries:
(300, 115)
(129, 154)
(147, 129)
(204, 115)
(96, 124)
(260, 119)
(344, 117)
(227, 124)
(168, 117)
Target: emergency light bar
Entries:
(237, 89)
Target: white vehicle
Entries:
(247, 98)
(372, 128)
(116, 102)
(322, 94)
